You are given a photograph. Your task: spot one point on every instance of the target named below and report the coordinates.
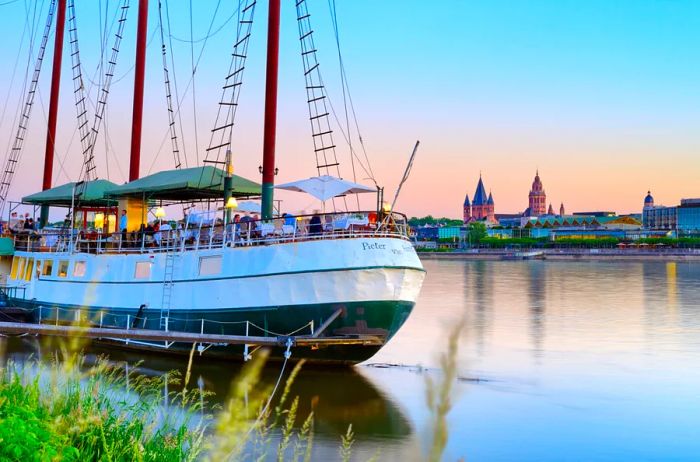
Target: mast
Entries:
(137, 117)
(53, 105)
(273, 48)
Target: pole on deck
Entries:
(140, 70)
(53, 106)
(273, 48)
(228, 188)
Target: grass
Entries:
(56, 412)
(65, 410)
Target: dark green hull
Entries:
(378, 318)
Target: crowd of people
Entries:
(197, 226)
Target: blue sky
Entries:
(602, 96)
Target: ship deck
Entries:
(181, 237)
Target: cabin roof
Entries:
(185, 184)
(93, 194)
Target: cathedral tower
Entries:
(467, 210)
(537, 198)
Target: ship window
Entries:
(15, 267)
(28, 269)
(47, 270)
(79, 269)
(143, 270)
(62, 268)
(209, 265)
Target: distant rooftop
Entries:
(596, 214)
(693, 202)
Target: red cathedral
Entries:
(481, 208)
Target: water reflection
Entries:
(537, 285)
(479, 289)
(582, 361)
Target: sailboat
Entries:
(339, 274)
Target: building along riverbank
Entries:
(566, 254)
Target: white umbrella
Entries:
(326, 186)
(250, 207)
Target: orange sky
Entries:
(605, 101)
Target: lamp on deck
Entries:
(99, 220)
(160, 214)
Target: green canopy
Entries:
(186, 184)
(90, 194)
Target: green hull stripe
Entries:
(329, 270)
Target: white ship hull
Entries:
(257, 290)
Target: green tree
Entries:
(477, 231)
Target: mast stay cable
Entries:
(14, 155)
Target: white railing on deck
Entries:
(201, 235)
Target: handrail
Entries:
(196, 235)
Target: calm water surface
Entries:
(594, 361)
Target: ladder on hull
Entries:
(167, 289)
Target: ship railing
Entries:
(104, 319)
(15, 292)
(213, 234)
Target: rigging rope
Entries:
(79, 90)
(14, 155)
(334, 20)
(346, 90)
(14, 74)
(194, 83)
(31, 26)
(177, 91)
(321, 131)
(89, 154)
(189, 83)
(168, 93)
(222, 133)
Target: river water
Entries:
(558, 361)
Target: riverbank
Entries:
(569, 254)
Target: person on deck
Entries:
(123, 224)
(245, 225)
(315, 226)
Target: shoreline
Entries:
(691, 255)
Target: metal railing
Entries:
(203, 233)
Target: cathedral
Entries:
(537, 201)
(481, 208)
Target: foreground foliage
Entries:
(65, 410)
(57, 412)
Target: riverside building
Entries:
(684, 219)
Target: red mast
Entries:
(137, 118)
(53, 103)
(273, 49)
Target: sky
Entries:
(602, 96)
